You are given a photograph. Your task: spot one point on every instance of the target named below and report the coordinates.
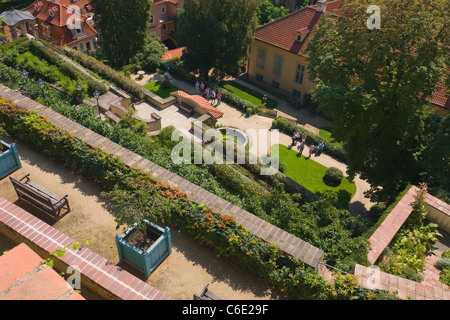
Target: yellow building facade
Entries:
(279, 70)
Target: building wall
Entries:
(288, 70)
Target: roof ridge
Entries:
(286, 16)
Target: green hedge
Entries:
(120, 80)
(44, 63)
(287, 127)
(219, 231)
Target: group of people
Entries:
(208, 93)
(315, 148)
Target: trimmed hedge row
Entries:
(120, 80)
(287, 127)
(44, 62)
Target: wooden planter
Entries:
(9, 159)
(145, 261)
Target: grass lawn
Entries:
(249, 95)
(155, 87)
(326, 133)
(309, 174)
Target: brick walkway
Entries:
(115, 281)
(381, 238)
(287, 242)
(375, 279)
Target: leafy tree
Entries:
(150, 56)
(376, 85)
(216, 34)
(122, 27)
(267, 12)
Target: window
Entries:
(164, 26)
(299, 73)
(163, 10)
(278, 64)
(81, 46)
(276, 85)
(259, 78)
(261, 58)
(88, 46)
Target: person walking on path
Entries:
(300, 149)
(213, 96)
(197, 86)
(311, 149)
(219, 98)
(202, 86)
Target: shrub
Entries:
(333, 177)
(107, 72)
(442, 263)
(376, 211)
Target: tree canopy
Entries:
(216, 34)
(122, 27)
(376, 85)
(267, 12)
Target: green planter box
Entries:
(9, 159)
(145, 261)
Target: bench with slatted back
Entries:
(189, 109)
(40, 197)
(205, 294)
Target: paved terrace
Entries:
(287, 242)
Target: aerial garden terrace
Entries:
(320, 222)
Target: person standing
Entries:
(219, 98)
(197, 86)
(311, 149)
(202, 86)
(300, 149)
(304, 137)
(213, 96)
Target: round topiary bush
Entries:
(333, 177)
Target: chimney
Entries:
(321, 5)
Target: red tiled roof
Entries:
(61, 17)
(440, 97)
(282, 32)
(174, 53)
(61, 8)
(156, 2)
(202, 102)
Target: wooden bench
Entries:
(205, 294)
(40, 197)
(189, 109)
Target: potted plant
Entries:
(136, 202)
(9, 158)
